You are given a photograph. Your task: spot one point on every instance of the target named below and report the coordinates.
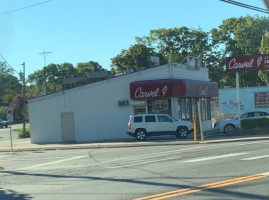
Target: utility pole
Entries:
(44, 85)
(44, 54)
(24, 109)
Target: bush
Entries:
(23, 135)
(255, 123)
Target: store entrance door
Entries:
(68, 131)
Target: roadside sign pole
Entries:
(11, 145)
(194, 127)
(200, 122)
(238, 98)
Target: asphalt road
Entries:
(237, 170)
(9, 137)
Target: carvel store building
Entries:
(101, 110)
(175, 97)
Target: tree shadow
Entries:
(13, 195)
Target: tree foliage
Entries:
(179, 42)
(127, 58)
(54, 74)
(239, 37)
(9, 85)
(264, 49)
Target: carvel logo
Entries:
(246, 63)
(140, 93)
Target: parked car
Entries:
(232, 123)
(3, 123)
(143, 125)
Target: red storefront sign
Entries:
(172, 88)
(247, 63)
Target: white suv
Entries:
(143, 125)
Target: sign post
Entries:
(200, 121)
(245, 63)
(9, 113)
(194, 127)
(238, 98)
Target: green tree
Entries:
(239, 37)
(178, 42)
(84, 69)
(127, 58)
(53, 76)
(264, 49)
(9, 85)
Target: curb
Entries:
(127, 144)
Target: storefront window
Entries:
(261, 99)
(205, 108)
(159, 106)
(186, 106)
(185, 109)
(139, 110)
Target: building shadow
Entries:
(13, 195)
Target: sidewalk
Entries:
(209, 137)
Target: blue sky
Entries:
(96, 30)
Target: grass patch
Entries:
(1, 168)
(21, 134)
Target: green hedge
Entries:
(255, 123)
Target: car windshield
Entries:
(235, 117)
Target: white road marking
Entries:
(214, 157)
(264, 174)
(3, 156)
(137, 163)
(255, 158)
(52, 163)
(168, 153)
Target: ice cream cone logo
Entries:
(259, 61)
(164, 90)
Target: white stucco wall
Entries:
(228, 99)
(97, 115)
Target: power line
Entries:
(8, 64)
(246, 6)
(24, 7)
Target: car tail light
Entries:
(129, 125)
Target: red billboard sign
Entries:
(172, 88)
(247, 63)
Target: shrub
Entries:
(255, 123)
(23, 135)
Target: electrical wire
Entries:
(24, 7)
(8, 64)
(246, 6)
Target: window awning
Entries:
(165, 88)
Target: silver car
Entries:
(232, 123)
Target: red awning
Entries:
(172, 88)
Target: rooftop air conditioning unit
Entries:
(193, 63)
(147, 61)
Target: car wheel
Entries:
(1, 126)
(6, 126)
(182, 132)
(228, 127)
(141, 135)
